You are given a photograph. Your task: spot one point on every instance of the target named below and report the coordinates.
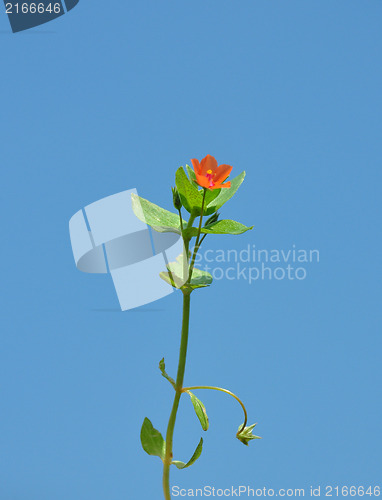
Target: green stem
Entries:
(201, 241)
(186, 242)
(191, 221)
(178, 392)
(185, 389)
(197, 243)
(181, 220)
(201, 215)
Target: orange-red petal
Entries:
(208, 163)
(196, 165)
(209, 175)
(202, 180)
(221, 173)
(225, 185)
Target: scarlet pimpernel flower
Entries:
(209, 175)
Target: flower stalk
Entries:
(198, 242)
(213, 388)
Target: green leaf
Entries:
(197, 280)
(224, 195)
(193, 459)
(191, 173)
(200, 278)
(162, 368)
(211, 195)
(200, 411)
(158, 218)
(225, 226)
(191, 198)
(152, 440)
(169, 278)
(178, 275)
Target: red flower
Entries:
(209, 175)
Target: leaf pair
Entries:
(162, 220)
(178, 274)
(154, 444)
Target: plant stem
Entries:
(185, 389)
(186, 242)
(197, 243)
(201, 241)
(178, 392)
(181, 220)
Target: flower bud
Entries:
(176, 198)
(245, 435)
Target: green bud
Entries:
(214, 217)
(176, 198)
(246, 435)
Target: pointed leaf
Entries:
(193, 459)
(225, 194)
(191, 198)
(169, 278)
(191, 173)
(211, 194)
(200, 411)
(225, 226)
(200, 278)
(178, 275)
(158, 218)
(152, 440)
(162, 368)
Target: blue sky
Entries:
(115, 97)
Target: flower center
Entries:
(209, 177)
